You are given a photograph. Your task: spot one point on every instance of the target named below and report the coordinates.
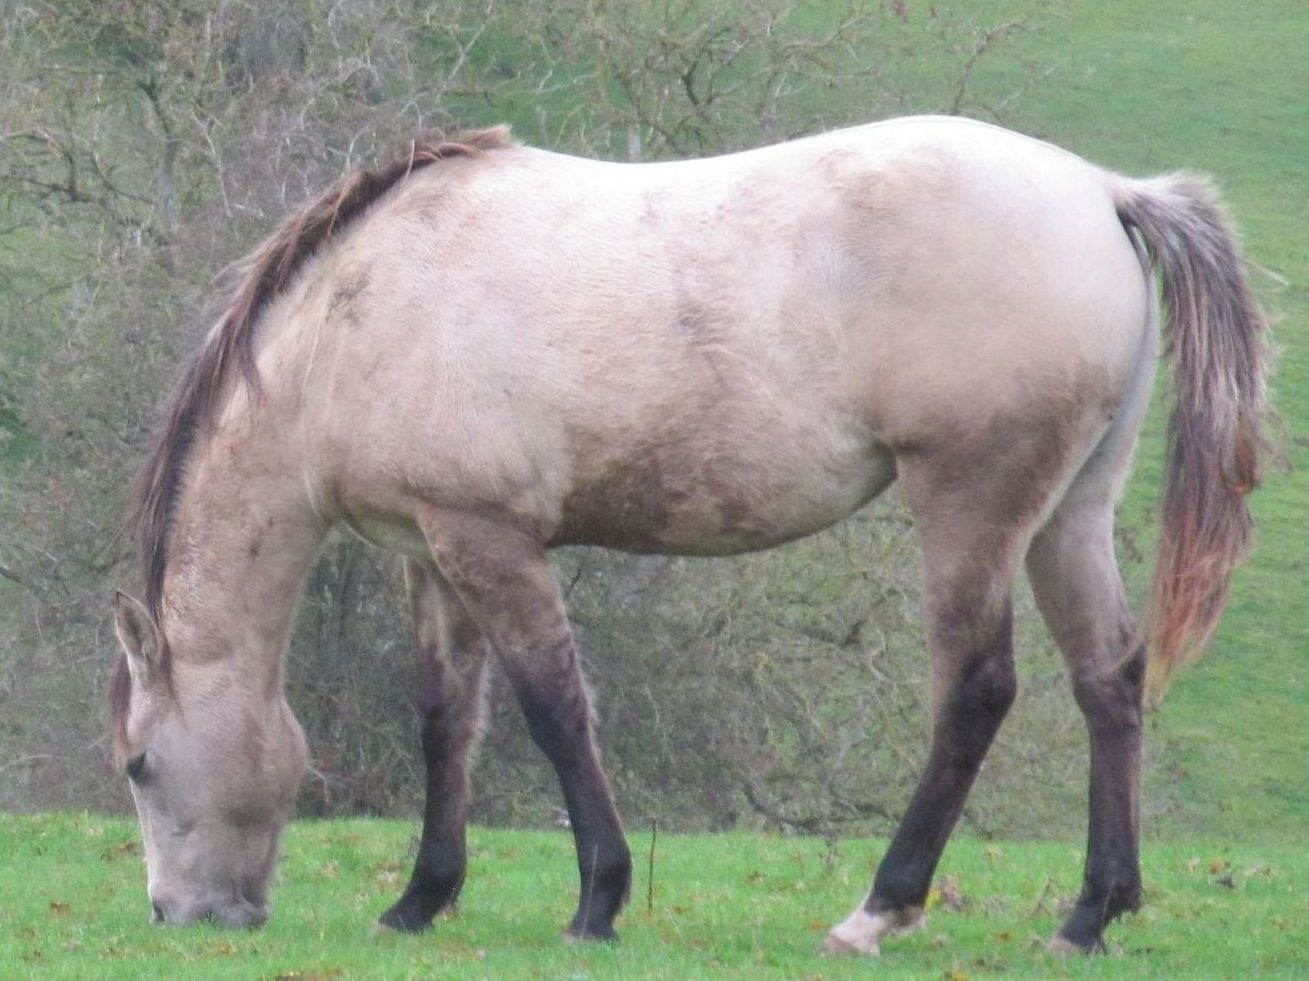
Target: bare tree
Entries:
(146, 143)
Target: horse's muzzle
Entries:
(239, 915)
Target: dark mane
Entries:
(229, 348)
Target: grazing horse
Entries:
(483, 351)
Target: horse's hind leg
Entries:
(451, 698)
(973, 538)
(503, 578)
(1080, 593)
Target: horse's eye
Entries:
(136, 767)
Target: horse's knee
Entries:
(450, 708)
(553, 695)
(989, 686)
(979, 681)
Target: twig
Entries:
(1040, 900)
(649, 885)
(8, 573)
(590, 888)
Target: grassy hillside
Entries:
(724, 906)
(1211, 85)
(1220, 88)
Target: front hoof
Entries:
(1061, 945)
(576, 935)
(405, 919)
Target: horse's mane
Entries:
(230, 346)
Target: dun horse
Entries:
(483, 351)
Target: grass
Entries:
(1213, 86)
(735, 905)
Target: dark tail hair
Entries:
(1216, 340)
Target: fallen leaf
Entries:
(120, 849)
(952, 897)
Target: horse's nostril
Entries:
(156, 914)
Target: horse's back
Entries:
(719, 354)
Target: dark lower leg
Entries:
(442, 858)
(1112, 880)
(505, 582)
(558, 714)
(967, 721)
(451, 666)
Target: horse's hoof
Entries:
(838, 946)
(604, 934)
(1062, 946)
(398, 920)
(858, 933)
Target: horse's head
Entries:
(214, 761)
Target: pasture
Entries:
(1210, 86)
(724, 906)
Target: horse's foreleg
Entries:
(1080, 593)
(451, 671)
(505, 581)
(969, 564)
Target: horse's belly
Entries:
(721, 505)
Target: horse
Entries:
(481, 351)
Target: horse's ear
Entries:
(140, 637)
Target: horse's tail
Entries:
(1215, 339)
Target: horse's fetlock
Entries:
(898, 896)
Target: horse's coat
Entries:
(487, 350)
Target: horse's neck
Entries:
(243, 539)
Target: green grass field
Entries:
(738, 905)
(1213, 86)
(1220, 88)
